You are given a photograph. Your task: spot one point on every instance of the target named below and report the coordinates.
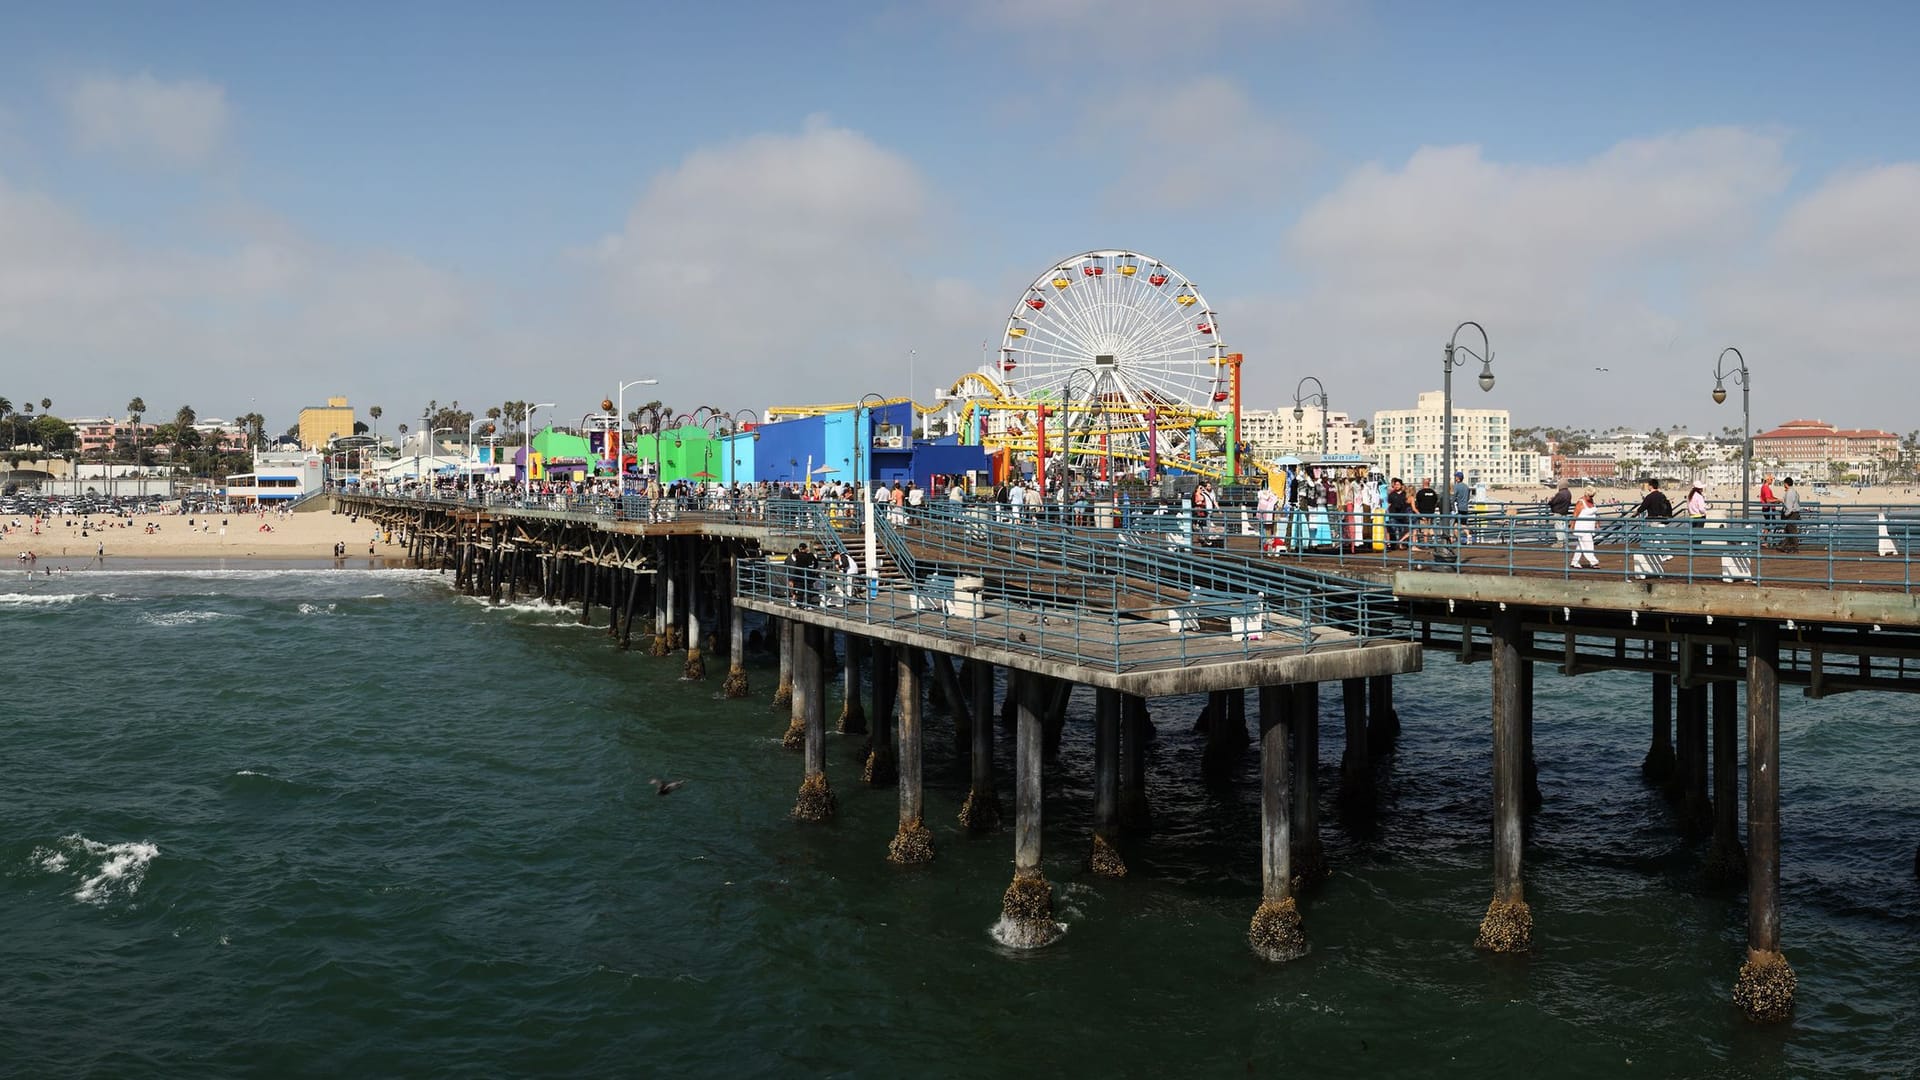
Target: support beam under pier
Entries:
(1508, 925)
(816, 802)
(981, 811)
(913, 843)
(1026, 909)
(1764, 990)
(1106, 860)
(1276, 933)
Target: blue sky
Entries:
(240, 206)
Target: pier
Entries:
(954, 601)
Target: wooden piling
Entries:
(1383, 722)
(816, 801)
(1726, 860)
(947, 681)
(1508, 925)
(1026, 909)
(1356, 760)
(1765, 987)
(796, 737)
(1105, 859)
(626, 616)
(662, 612)
(1276, 933)
(981, 811)
(736, 684)
(913, 843)
(853, 714)
(881, 767)
(1309, 858)
(696, 665)
(1135, 732)
(1223, 745)
(1696, 809)
(1658, 765)
(783, 685)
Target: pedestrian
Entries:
(802, 564)
(1460, 502)
(1697, 506)
(1426, 504)
(1769, 510)
(1789, 513)
(1653, 502)
(1585, 518)
(1560, 508)
(1399, 515)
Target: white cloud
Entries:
(240, 312)
(178, 124)
(1594, 263)
(789, 267)
(1228, 146)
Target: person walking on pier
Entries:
(1696, 506)
(1399, 514)
(1789, 513)
(1426, 503)
(1560, 506)
(1585, 517)
(1653, 504)
(1459, 502)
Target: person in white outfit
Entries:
(1585, 518)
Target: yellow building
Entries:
(318, 423)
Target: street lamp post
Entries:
(526, 448)
(471, 428)
(1452, 360)
(620, 412)
(1300, 413)
(863, 439)
(1739, 375)
(733, 449)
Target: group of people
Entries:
(1578, 516)
(1414, 518)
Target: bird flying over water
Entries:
(666, 787)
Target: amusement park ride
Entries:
(1123, 355)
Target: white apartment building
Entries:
(1407, 443)
(1271, 433)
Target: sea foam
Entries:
(106, 871)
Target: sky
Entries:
(251, 207)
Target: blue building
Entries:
(857, 445)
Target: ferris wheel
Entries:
(1133, 329)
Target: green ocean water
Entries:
(345, 823)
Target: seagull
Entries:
(666, 787)
(1023, 635)
(1602, 369)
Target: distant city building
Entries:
(277, 477)
(1271, 433)
(100, 435)
(1802, 444)
(318, 423)
(1408, 443)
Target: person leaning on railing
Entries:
(1560, 507)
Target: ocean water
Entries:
(319, 822)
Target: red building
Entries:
(1816, 442)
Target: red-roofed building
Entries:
(1816, 442)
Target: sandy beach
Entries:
(305, 535)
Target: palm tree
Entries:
(6, 407)
(45, 404)
(183, 434)
(374, 414)
(134, 410)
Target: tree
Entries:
(184, 437)
(53, 433)
(6, 409)
(135, 409)
(45, 404)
